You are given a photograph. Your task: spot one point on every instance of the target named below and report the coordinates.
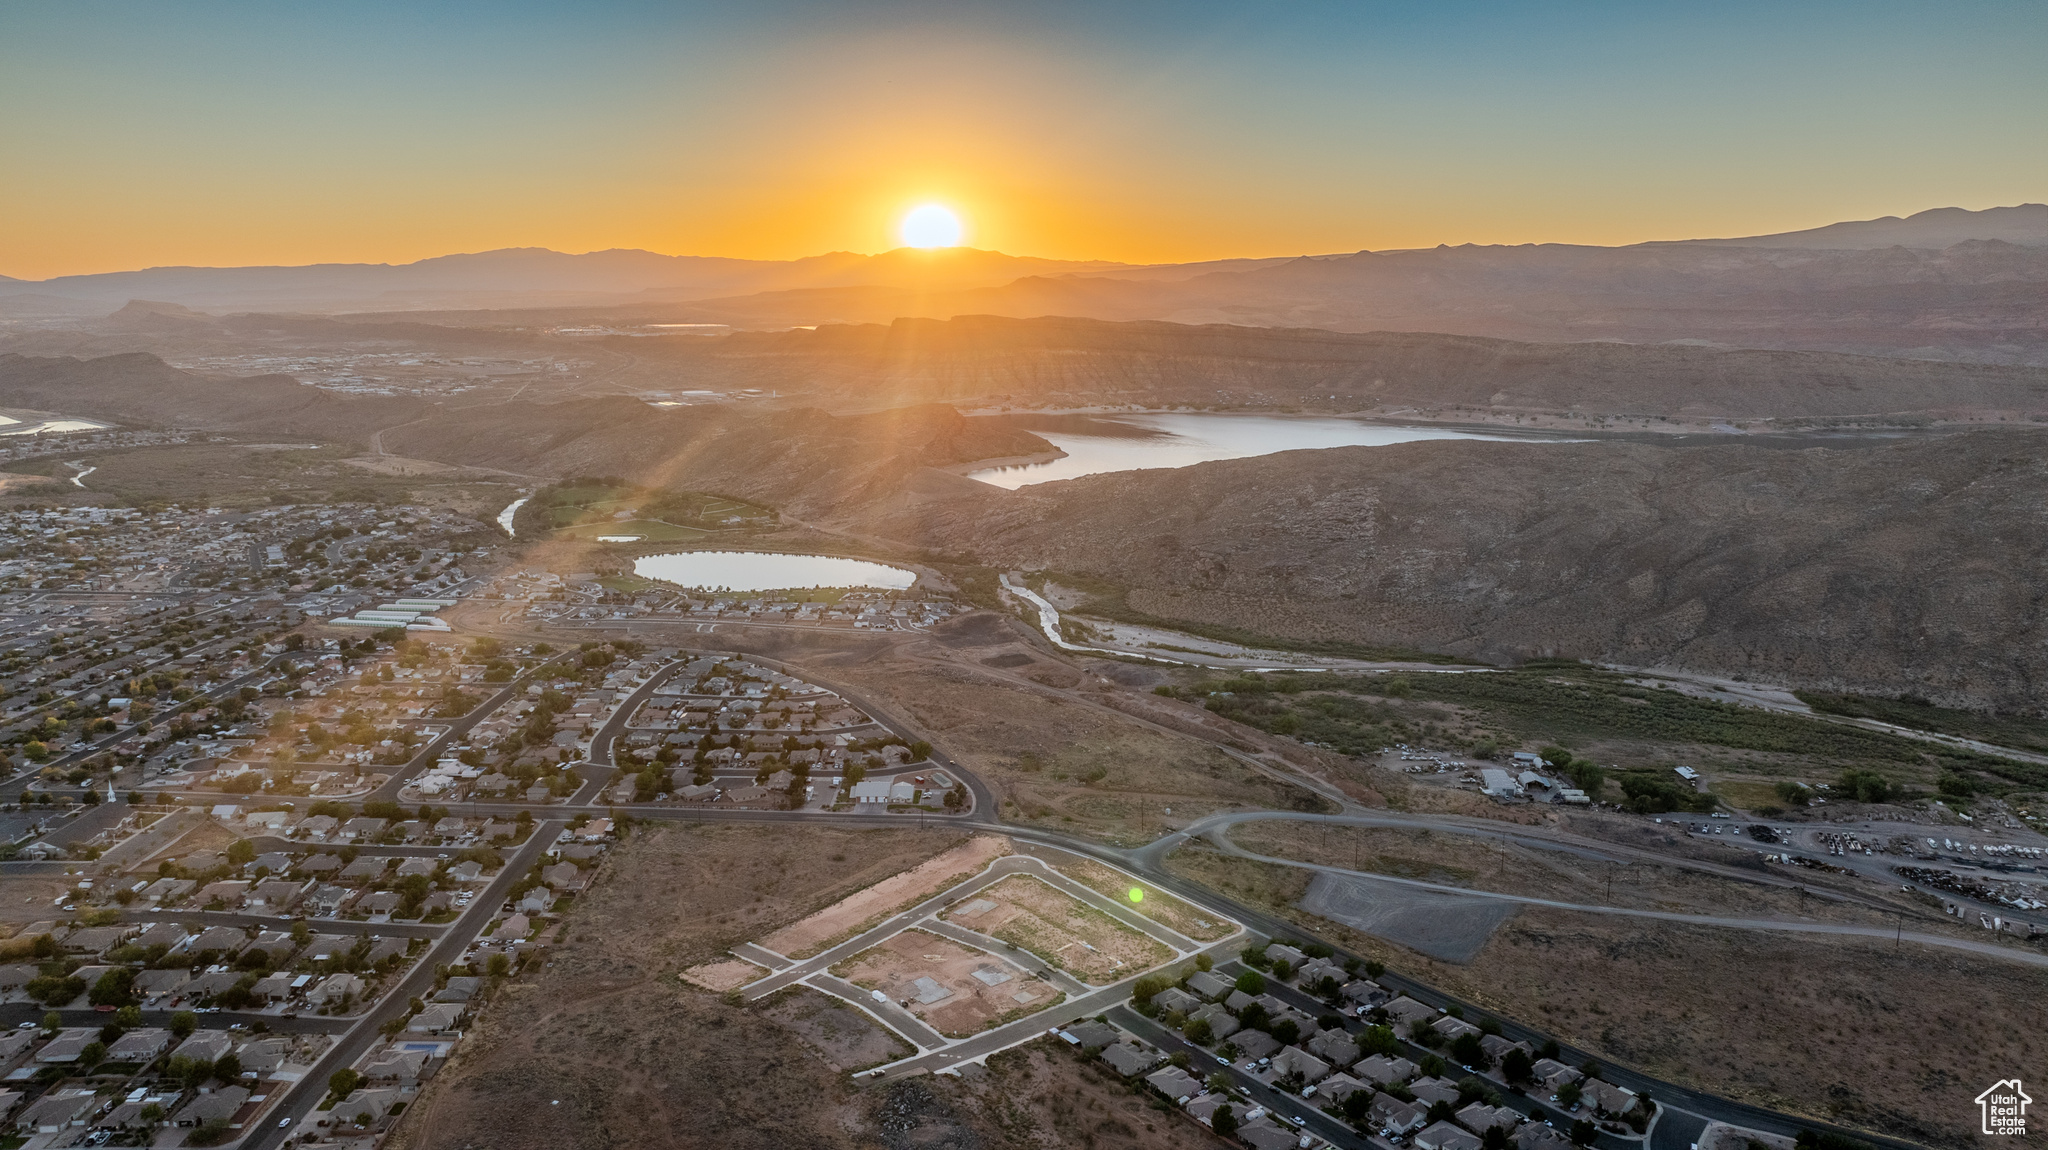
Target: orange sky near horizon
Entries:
(234, 134)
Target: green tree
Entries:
(53, 1021)
(343, 1082)
(1515, 1066)
(227, 1068)
(1583, 1132)
(128, 1017)
(1379, 1040)
(114, 987)
(1223, 1121)
(1468, 1051)
(1198, 1031)
(183, 1023)
(1145, 988)
(1252, 982)
(1793, 794)
(93, 1054)
(1568, 1095)
(241, 852)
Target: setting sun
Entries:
(931, 226)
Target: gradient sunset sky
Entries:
(210, 133)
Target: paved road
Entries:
(1792, 926)
(15, 1013)
(455, 729)
(300, 1099)
(285, 922)
(1691, 1108)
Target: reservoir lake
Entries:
(762, 571)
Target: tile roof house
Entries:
(221, 1104)
(1479, 1118)
(225, 939)
(1174, 1083)
(56, 1112)
(1607, 1097)
(139, 1045)
(436, 1018)
(1095, 1034)
(1430, 1090)
(1385, 1069)
(1255, 1044)
(1363, 992)
(68, 1045)
(1295, 1060)
(1263, 1133)
(1394, 1116)
(151, 983)
(205, 1045)
(1405, 1010)
(1333, 1046)
(1337, 1087)
(1176, 1000)
(1537, 1136)
(1221, 1024)
(1209, 984)
(335, 987)
(1453, 1028)
(1444, 1136)
(1127, 1058)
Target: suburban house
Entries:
(220, 1104)
(1295, 1060)
(1444, 1136)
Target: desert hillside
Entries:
(1913, 567)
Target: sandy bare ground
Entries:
(1077, 938)
(1156, 905)
(862, 909)
(845, 1038)
(400, 465)
(967, 992)
(723, 976)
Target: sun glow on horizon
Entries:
(931, 226)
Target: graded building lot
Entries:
(1157, 905)
(1854, 1031)
(723, 976)
(957, 990)
(864, 909)
(1068, 934)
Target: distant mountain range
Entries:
(1946, 283)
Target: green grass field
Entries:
(650, 530)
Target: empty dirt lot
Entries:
(957, 990)
(1074, 937)
(863, 909)
(1157, 905)
(599, 1029)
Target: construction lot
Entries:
(957, 990)
(1079, 939)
